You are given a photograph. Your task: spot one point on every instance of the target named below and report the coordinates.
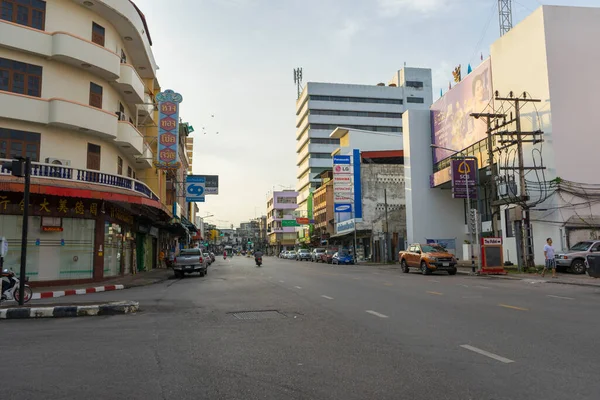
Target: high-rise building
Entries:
(280, 207)
(322, 107)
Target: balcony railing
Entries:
(53, 171)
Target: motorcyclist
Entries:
(258, 254)
(6, 282)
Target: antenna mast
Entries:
(505, 16)
(298, 80)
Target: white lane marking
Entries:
(281, 281)
(464, 285)
(327, 297)
(482, 287)
(375, 313)
(433, 280)
(487, 354)
(560, 297)
(298, 287)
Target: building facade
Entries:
(558, 200)
(281, 206)
(77, 87)
(323, 215)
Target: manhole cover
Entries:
(263, 314)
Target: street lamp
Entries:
(473, 234)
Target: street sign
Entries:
(289, 222)
(342, 169)
(341, 160)
(194, 189)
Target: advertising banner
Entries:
(342, 160)
(464, 176)
(345, 227)
(167, 156)
(211, 184)
(342, 170)
(341, 179)
(342, 207)
(194, 188)
(289, 223)
(343, 198)
(452, 125)
(343, 189)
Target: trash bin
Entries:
(593, 265)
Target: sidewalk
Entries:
(120, 282)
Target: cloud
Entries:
(393, 8)
(344, 36)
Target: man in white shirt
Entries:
(549, 256)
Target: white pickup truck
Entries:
(188, 261)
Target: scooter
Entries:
(258, 261)
(12, 293)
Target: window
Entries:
(95, 95)
(324, 141)
(121, 112)
(123, 57)
(414, 84)
(415, 100)
(129, 172)
(329, 127)
(15, 143)
(93, 157)
(30, 13)
(357, 113)
(18, 77)
(355, 99)
(134, 175)
(97, 34)
(119, 166)
(320, 155)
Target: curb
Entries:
(122, 307)
(574, 284)
(72, 292)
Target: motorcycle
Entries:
(12, 292)
(224, 256)
(258, 261)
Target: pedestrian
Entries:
(550, 262)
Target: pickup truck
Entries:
(427, 258)
(188, 261)
(574, 258)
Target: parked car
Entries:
(574, 258)
(327, 255)
(291, 255)
(303, 254)
(342, 258)
(188, 261)
(208, 258)
(315, 255)
(427, 258)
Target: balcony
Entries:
(81, 117)
(61, 46)
(145, 160)
(130, 85)
(129, 139)
(145, 111)
(58, 112)
(64, 173)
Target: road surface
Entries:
(328, 332)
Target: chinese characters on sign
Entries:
(43, 206)
(168, 130)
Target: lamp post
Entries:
(474, 235)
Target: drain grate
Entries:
(261, 314)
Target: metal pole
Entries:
(355, 247)
(22, 272)
(470, 225)
(387, 231)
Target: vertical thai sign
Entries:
(167, 156)
(464, 178)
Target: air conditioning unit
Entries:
(58, 161)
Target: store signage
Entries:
(342, 169)
(342, 179)
(347, 207)
(167, 156)
(345, 227)
(343, 197)
(464, 178)
(194, 188)
(211, 185)
(52, 229)
(343, 189)
(341, 160)
(492, 241)
(289, 223)
(302, 221)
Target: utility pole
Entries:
(525, 244)
(387, 231)
(493, 173)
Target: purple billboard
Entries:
(464, 178)
(452, 125)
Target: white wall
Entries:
(430, 213)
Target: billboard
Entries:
(194, 188)
(451, 123)
(167, 156)
(464, 178)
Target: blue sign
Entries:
(344, 227)
(194, 188)
(345, 207)
(342, 160)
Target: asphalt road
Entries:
(354, 332)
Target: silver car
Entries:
(190, 260)
(574, 258)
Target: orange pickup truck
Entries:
(427, 258)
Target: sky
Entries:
(233, 61)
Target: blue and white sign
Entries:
(344, 227)
(342, 160)
(195, 188)
(339, 208)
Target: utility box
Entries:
(492, 259)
